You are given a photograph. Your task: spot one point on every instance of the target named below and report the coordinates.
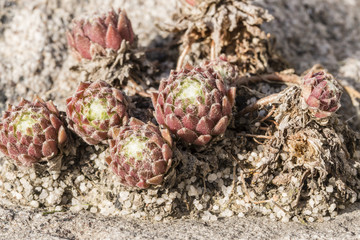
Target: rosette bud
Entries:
(321, 92)
(94, 109)
(141, 154)
(226, 71)
(194, 104)
(99, 33)
(32, 132)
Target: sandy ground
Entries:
(307, 31)
(25, 224)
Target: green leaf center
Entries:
(134, 147)
(190, 91)
(25, 121)
(97, 110)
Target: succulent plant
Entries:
(194, 104)
(227, 72)
(97, 34)
(141, 154)
(32, 132)
(94, 109)
(321, 92)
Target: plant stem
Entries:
(272, 77)
(260, 103)
(180, 62)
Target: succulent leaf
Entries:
(321, 92)
(226, 71)
(94, 109)
(31, 132)
(140, 155)
(93, 35)
(194, 103)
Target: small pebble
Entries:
(34, 204)
(226, 213)
(158, 218)
(192, 191)
(212, 177)
(93, 209)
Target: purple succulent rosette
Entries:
(194, 104)
(141, 154)
(321, 92)
(32, 132)
(94, 109)
(91, 36)
(226, 71)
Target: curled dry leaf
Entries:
(230, 27)
(307, 164)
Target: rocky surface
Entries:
(25, 224)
